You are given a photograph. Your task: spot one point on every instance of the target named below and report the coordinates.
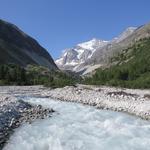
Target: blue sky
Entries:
(60, 24)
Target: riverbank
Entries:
(132, 101)
(14, 112)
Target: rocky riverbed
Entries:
(132, 101)
(14, 112)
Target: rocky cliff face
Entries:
(97, 53)
(18, 48)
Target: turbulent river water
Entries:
(79, 127)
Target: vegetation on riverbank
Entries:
(132, 68)
(34, 75)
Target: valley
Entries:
(95, 95)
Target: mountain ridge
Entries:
(17, 47)
(87, 49)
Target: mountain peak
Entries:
(127, 32)
(92, 44)
(79, 54)
(131, 28)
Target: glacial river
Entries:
(79, 127)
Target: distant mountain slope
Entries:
(130, 68)
(101, 53)
(18, 48)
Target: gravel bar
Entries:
(14, 112)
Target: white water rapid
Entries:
(80, 127)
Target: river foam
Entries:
(79, 127)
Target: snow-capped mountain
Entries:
(79, 54)
(91, 54)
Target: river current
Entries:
(79, 127)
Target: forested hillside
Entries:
(34, 75)
(131, 68)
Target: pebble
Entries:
(131, 101)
